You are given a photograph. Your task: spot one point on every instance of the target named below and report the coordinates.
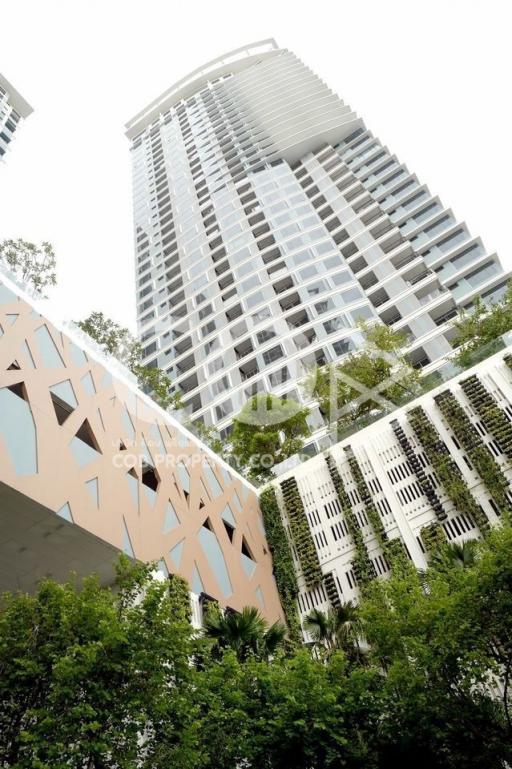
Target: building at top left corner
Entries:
(13, 110)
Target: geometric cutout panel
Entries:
(18, 430)
(248, 565)
(133, 482)
(93, 489)
(259, 596)
(78, 356)
(51, 448)
(197, 583)
(47, 349)
(228, 517)
(65, 512)
(88, 384)
(127, 543)
(212, 480)
(171, 519)
(215, 558)
(176, 552)
(84, 446)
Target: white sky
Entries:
(431, 79)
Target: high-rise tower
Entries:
(268, 221)
(13, 108)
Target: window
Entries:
(265, 335)
(316, 288)
(224, 409)
(254, 299)
(342, 346)
(221, 385)
(341, 277)
(308, 272)
(325, 306)
(262, 314)
(215, 365)
(278, 377)
(211, 345)
(273, 354)
(335, 324)
(208, 328)
(352, 295)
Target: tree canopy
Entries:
(30, 263)
(116, 679)
(367, 381)
(116, 340)
(267, 431)
(482, 324)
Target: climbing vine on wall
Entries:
(363, 567)
(446, 468)
(433, 537)
(301, 533)
(393, 549)
(284, 570)
(179, 596)
(479, 454)
(493, 418)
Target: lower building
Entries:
(91, 467)
(436, 469)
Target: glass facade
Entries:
(268, 222)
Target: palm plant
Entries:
(245, 632)
(338, 628)
(455, 555)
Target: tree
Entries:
(267, 431)
(338, 628)
(122, 345)
(245, 633)
(85, 671)
(209, 435)
(442, 649)
(482, 324)
(368, 381)
(454, 555)
(30, 263)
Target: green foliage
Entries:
(267, 431)
(446, 468)
(210, 436)
(30, 263)
(380, 366)
(301, 533)
(441, 648)
(339, 628)
(83, 668)
(433, 537)
(493, 418)
(245, 633)
(179, 597)
(362, 565)
(284, 570)
(95, 678)
(482, 324)
(122, 345)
